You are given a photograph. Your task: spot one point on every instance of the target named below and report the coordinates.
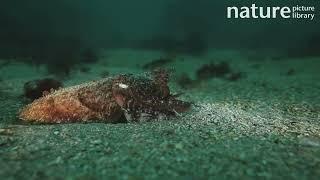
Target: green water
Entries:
(256, 112)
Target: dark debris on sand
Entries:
(220, 70)
(213, 70)
(34, 89)
(157, 63)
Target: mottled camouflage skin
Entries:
(107, 100)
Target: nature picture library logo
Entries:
(263, 12)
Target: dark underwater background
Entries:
(40, 29)
(254, 85)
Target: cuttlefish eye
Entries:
(123, 86)
(121, 93)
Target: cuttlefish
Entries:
(110, 100)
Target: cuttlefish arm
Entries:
(144, 100)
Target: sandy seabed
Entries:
(264, 125)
